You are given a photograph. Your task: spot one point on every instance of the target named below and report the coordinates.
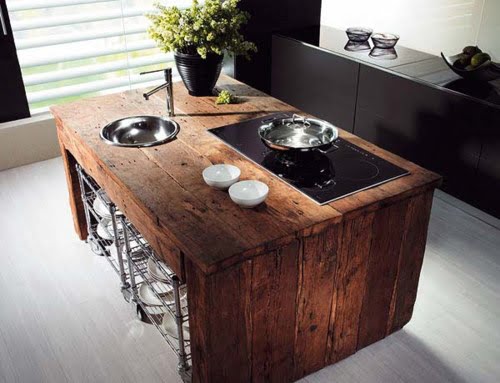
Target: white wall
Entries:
(26, 141)
(428, 25)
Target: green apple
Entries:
(479, 58)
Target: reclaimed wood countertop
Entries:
(274, 293)
(165, 183)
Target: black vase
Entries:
(198, 74)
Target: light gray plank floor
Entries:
(63, 319)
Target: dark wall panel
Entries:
(269, 17)
(315, 81)
(487, 192)
(437, 130)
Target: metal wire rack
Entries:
(90, 192)
(125, 241)
(171, 302)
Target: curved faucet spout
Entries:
(167, 85)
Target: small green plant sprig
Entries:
(225, 97)
(213, 27)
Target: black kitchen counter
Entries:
(422, 67)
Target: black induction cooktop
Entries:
(323, 177)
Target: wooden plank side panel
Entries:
(350, 280)
(314, 298)
(75, 199)
(387, 230)
(410, 261)
(274, 289)
(218, 304)
(229, 349)
(199, 316)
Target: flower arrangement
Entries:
(209, 28)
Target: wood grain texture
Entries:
(314, 298)
(387, 233)
(290, 312)
(276, 292)
(74, 193)
(273, 311)
(218, 306)
(410, 261)
(350, 284)
(165, 181)
(229, 329)
(199, 316)
(173, 200)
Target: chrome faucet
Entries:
(168, 85)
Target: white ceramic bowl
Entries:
(249, 194)
(105, 229)
(221, 176)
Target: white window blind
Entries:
(73, 48)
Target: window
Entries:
(73, 48)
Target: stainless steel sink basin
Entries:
(139, 131)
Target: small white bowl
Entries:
(249, 194)
(221, 176)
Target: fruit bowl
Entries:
(487, 71)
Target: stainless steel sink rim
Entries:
(107, 131)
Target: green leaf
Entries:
(213, 27)
(225, 97)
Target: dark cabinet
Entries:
(315, 81)
(487, 192)
(12, 94)
(266, 18)
(454, 132)
(487, 196)
(436, 129)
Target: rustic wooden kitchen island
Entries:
(274, 293)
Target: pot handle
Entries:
(274, 118)
(300, 119)
(332, 148)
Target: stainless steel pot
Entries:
(298, 133)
